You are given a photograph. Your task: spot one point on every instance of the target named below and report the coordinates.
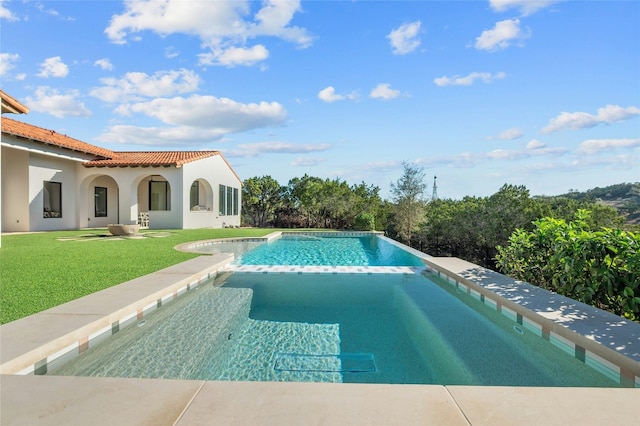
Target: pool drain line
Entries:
(518, 330)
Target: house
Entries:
(51, 181)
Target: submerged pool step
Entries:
(338, 363)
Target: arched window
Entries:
(200, 196)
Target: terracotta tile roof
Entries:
(107, 158)
(152, 158)
(51, 137)
(12, 105)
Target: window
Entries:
(221, 201)
(235, 201)
(52, 197)
(100, 196)
(228, 203)
(194, 195)
(159, 195)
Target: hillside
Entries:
(624, 197)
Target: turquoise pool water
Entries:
(396, 328)
(329, 251)
(365, 328)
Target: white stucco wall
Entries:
(132, 186)
(41, 169)
(26, 165)
(215, 171)
(87, 209)
(15, 190)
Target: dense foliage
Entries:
(624, 197)
(473, 227)
(588, 257)
(311, 202)
(597, 267)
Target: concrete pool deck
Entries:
(27, 399)
(51, 400)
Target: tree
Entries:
(409, 198)
(261, 196)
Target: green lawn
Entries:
(42, 270)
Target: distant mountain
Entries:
(624, 197)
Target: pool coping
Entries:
(598, 338)
(28, 398)
(30, 344)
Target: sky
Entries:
(544, 94)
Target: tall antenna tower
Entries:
(434, 196)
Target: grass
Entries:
(42, 270)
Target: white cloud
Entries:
(7, 62)
(580, 120)
(273, 19)
(508, 135)
(60, 105)
(468, 80)
(160, 136)
(534, 149)
(535, 144)
(384, 91)
(594, 146)
(235, 56)
(171, 52)
(53, 67)
(526, 7)
(405, 39)
(328, 94)
(137, 85)
(104, 64)
(260, 148)
(506, 154)
(197, 119)
(6, 13)
(307, 161)
(500, 36)
(222, 26)
(52, 12)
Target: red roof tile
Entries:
(107, 158)
(51, 137)
(152, 158)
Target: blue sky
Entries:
(544, 94)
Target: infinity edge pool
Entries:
(29, 344)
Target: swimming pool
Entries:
(369, 328)
(313, 249)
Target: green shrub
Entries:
(601, 268)
(365, 222)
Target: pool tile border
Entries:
(85, 343)
(64, 352)
(625, 375)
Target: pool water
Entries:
(379, 328)
(326, 250)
